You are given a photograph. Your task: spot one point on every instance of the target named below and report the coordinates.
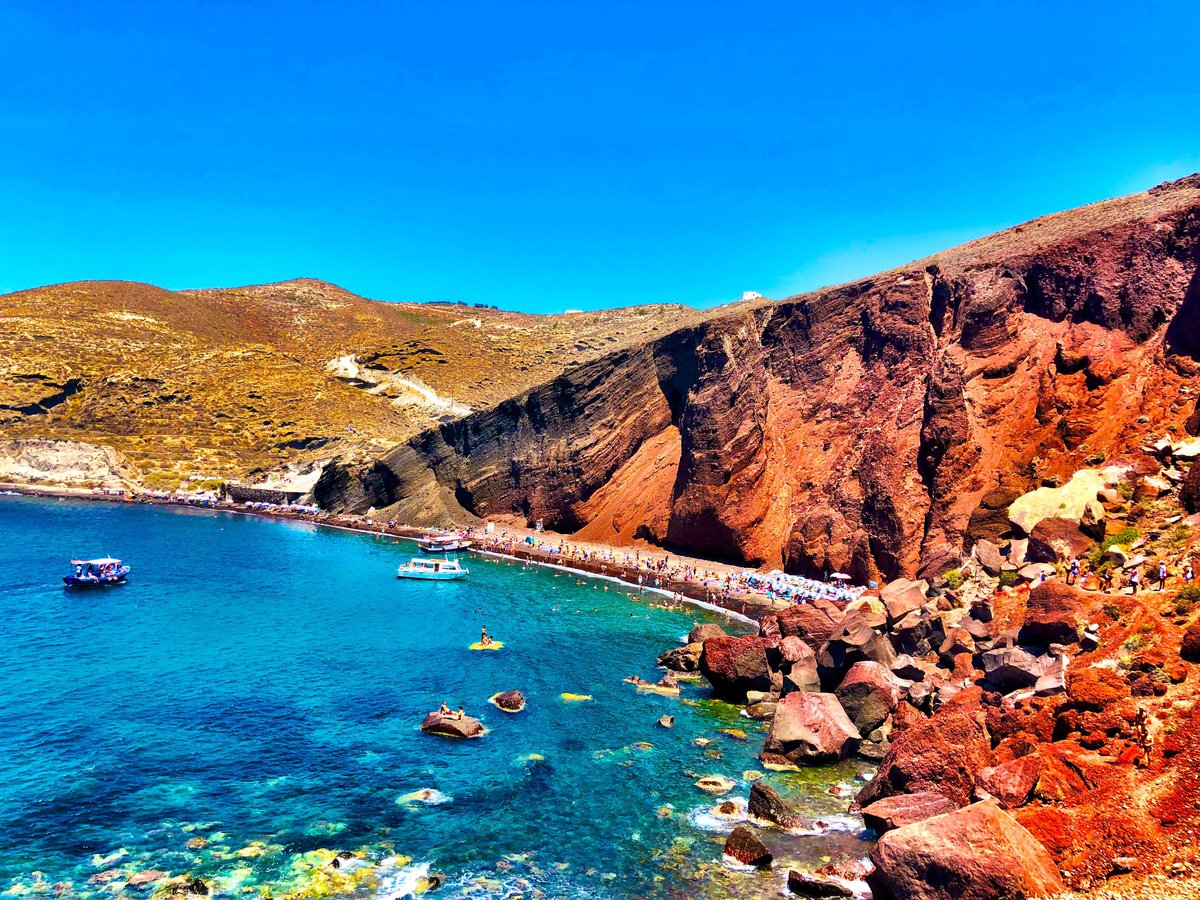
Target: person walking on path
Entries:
(1135, 581)
(1073, 574)
(1162, 574)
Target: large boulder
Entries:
(453, 726)
(682, 659)
(1011, 668)
(735, 665)
(701, 633)
(1056, 613)
(812, 728)
(868, 694)
(1189, 494)
(905, 809)
(800, 663)
(976, 853)
(1064, 538)
(942, 753)
(1011, 784)
(744, 846)
(902, 596)
(1189, 647)
(767, 805)
(807, 622)
(989, 557)
(1070, 501)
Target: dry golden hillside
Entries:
(221, 383)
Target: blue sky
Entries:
(543, 156)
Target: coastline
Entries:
(508, 544)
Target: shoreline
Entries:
(746, 610)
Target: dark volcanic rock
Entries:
(811, 625)
(766, 804)
(1189, 648)
(735, 665)
(1056, 614)
(868, 694)
(815, 887)
(682, 659)
(1010, 668)
(976, 853)
(744, 846)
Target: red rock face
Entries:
(977, 853)
(866, 428)
(942, 754)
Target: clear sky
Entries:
(543, 156)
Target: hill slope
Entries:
(868, 427)
(221, 383)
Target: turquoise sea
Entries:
(248, 704)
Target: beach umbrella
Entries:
(838, 576)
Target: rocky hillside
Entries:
(220, 383)
(878, 427)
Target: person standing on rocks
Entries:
(1188, 575)
(1073, 574)
(1162, 574)
(1135, 581)
(1106, 580)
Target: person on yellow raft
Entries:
(485, 638)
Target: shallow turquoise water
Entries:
(263, 682)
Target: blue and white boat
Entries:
(432, 569)
(97, 572)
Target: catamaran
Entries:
(432, 569)
(97, 572)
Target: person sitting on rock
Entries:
(445, 710)
(461, 714)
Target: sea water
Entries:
(248, 705)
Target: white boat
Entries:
(443, 543)
(432, 569)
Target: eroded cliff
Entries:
(866, 428)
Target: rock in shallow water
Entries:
(744, 846)
(767, 805)
(452, 726)
(508, 701)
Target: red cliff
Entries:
(869, 427)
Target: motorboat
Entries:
(97, 572)
(432, 569)
(443, 543)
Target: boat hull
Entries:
(72, 581)
(433, 576)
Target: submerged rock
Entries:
(817, 887)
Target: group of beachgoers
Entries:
(1134, 579)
